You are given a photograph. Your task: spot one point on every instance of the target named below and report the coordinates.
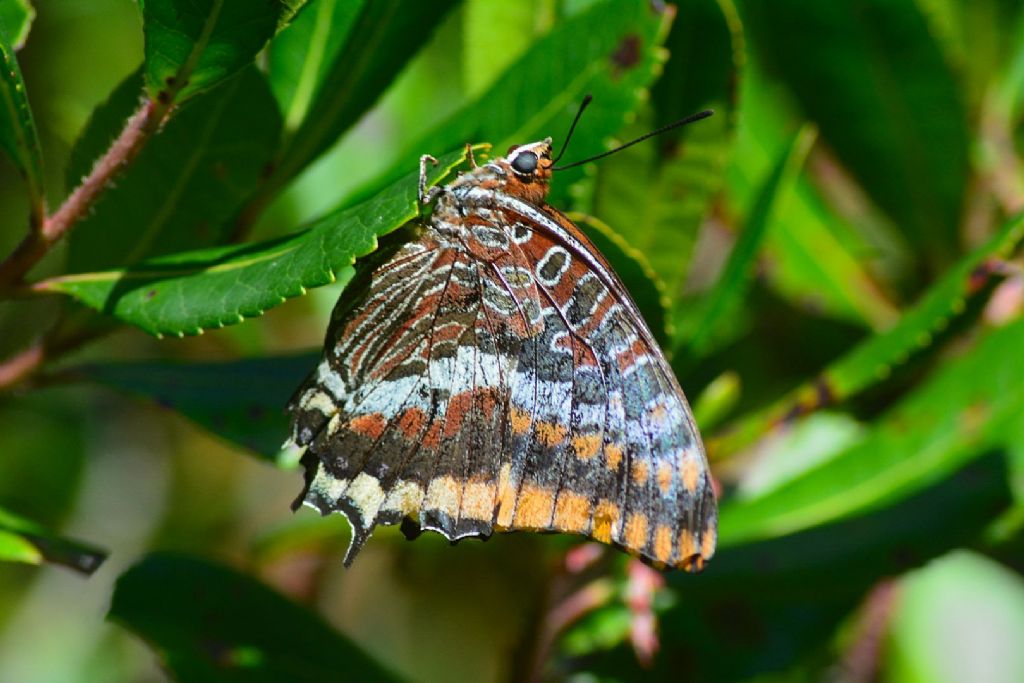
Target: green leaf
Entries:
(212, 623)
(242, 401)
(193, 45)
(961, 593)
(816, 258)
(539, 94)
(957, 414)
(301, 56)
(17, 127)
(22, 540)
(882, 70)
(659, 193)
(16, 19)
(513, 25)
(189, 292)
(703, 323)
(872, 360)
(15, 548)
(186, 183)
(385, 35)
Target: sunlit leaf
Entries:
(189, 292)
(538, 95)
(193, 45)
(382, 38)
(15, 19)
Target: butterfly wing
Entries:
(602, 440)
(400, 418)
(504, 380)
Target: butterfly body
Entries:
(494, 375)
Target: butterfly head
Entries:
(527, 170)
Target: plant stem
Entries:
(47, 232)
(19, 366)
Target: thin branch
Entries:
(139, 129)
(15, 369)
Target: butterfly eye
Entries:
(525, 163)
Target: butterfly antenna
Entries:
(664, 129)
(579, 113)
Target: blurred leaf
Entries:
(978, 37)
(872, 360)
(943, 423)
(24, 541)
(768, 606)
(659, 193)
(539, 94)
(16, 19)
(383, 38)
(17, 127)
(189, 292)
(14, 548)
(881, 68)
(242, 401)
(193, 45)
(185, 184)
(961, 618)
(513, 25)
(702, 324)
(212, 623)
(299, 58)
(814, 256)
(633, 270)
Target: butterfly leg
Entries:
(469, 155)
(427, 195)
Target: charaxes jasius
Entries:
(494, 374)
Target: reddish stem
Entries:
(16, 368)
(122, 152)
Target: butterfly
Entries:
(493, 374)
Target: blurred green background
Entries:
(831, 261)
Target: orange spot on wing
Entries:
(586, 445)
(691, 474)
(506, 497)
(664, 477)
(520, 420)
(636, 531)
(663, 543)
(371, 426)
(478, 500)
(572, 512)
(606, 515)
(411, 423)
(640, 471)
(550, 435)
(707, 543)
(612, 456)
(533, 509)
(687, 545)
